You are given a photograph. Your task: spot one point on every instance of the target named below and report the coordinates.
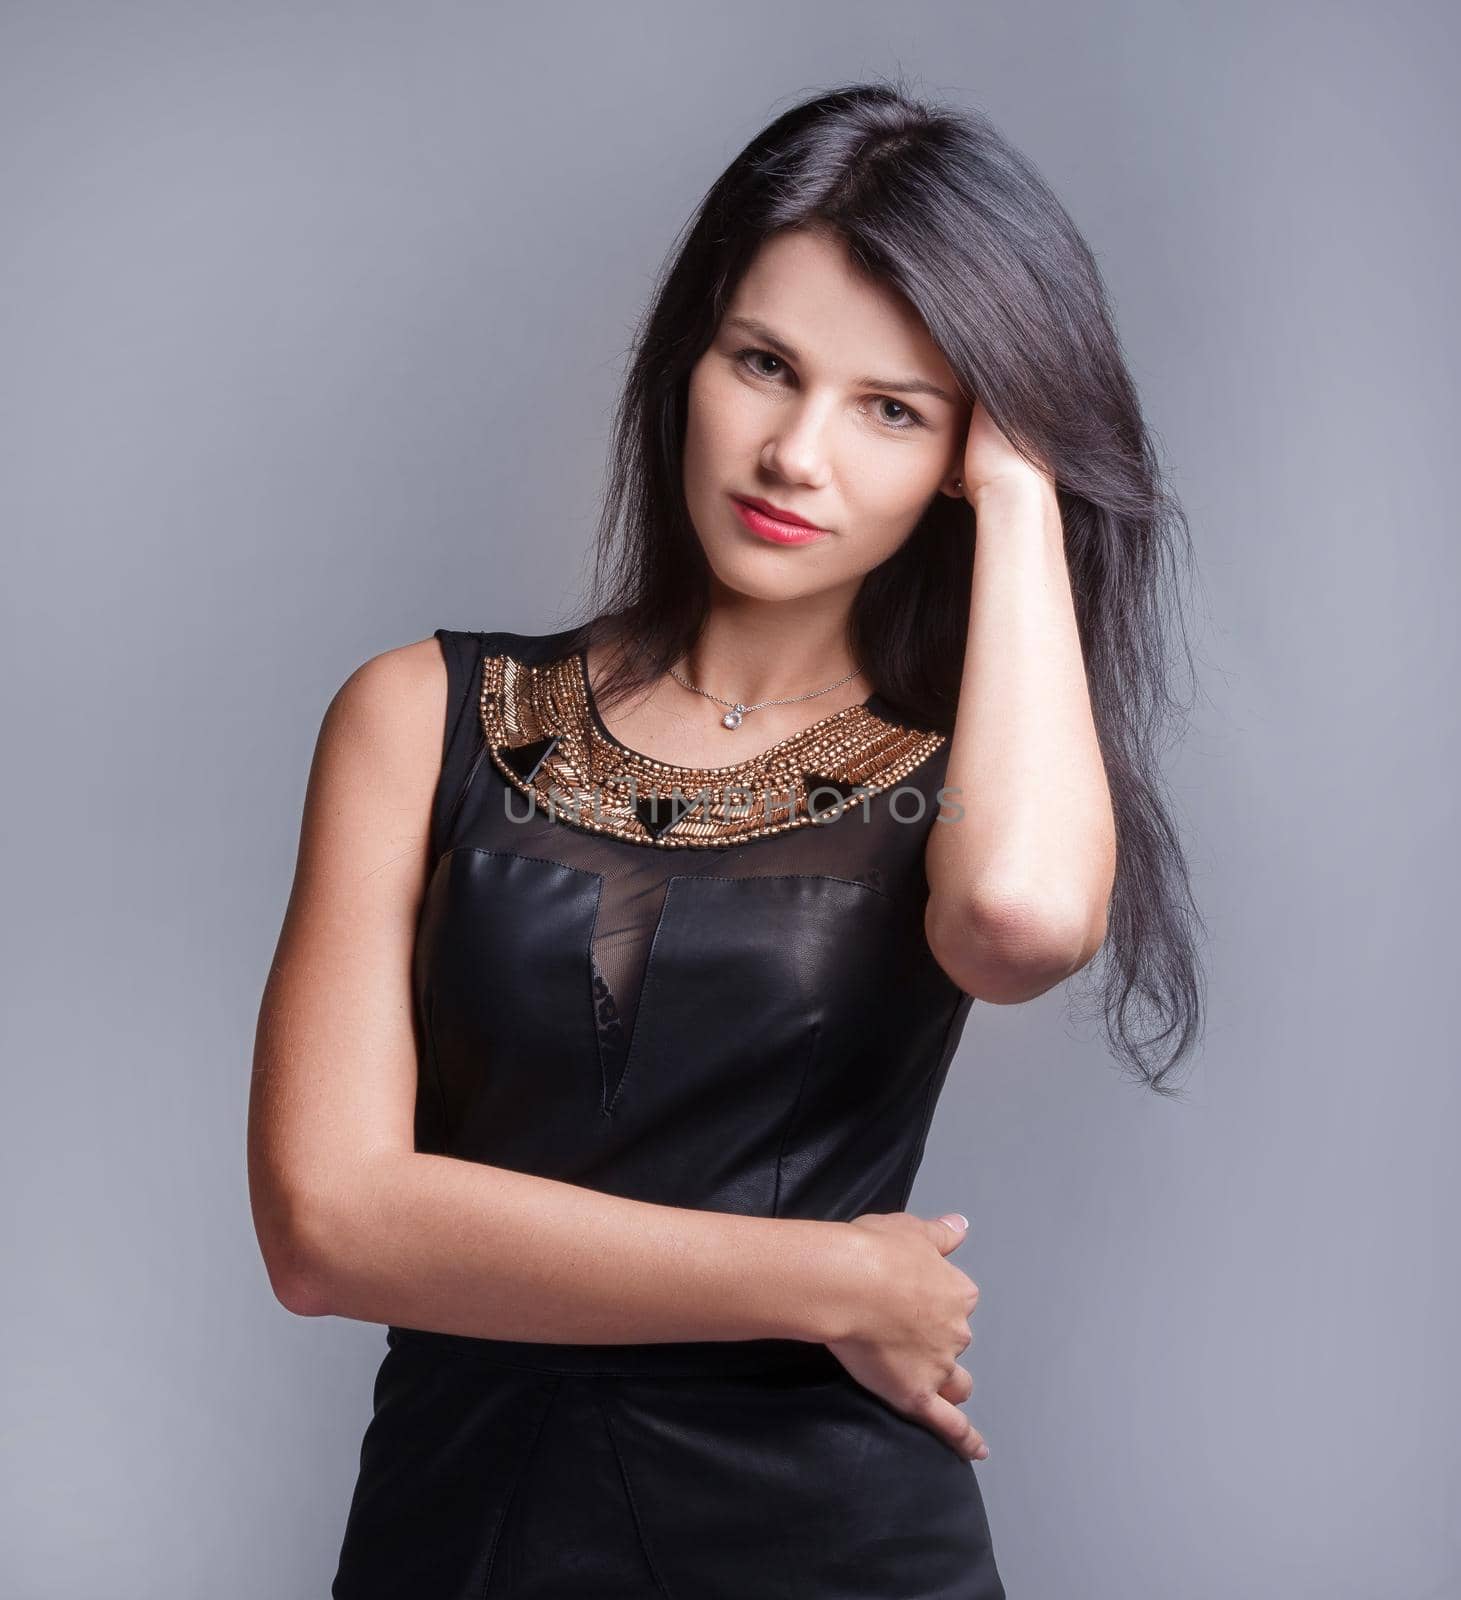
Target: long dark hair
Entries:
(933, 202)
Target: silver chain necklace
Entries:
(732, 718)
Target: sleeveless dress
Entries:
(705, 988)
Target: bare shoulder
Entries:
(386, 718)
(376, 764)
(390, 696)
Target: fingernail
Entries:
(956, 1219)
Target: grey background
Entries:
(312, 319)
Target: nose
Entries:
(797, 451)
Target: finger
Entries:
(949, 1231)
(953, 1427)
(958, 1386)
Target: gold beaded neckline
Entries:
(545, 738)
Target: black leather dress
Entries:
(718, 998)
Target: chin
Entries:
(740, 577)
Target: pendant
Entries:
(732, 719)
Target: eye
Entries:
(745, 357)
(915, 421)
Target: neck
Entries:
(755, 653)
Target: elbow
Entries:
(290, 1240)
(1010, 948)
(301, 1293)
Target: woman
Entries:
(624, 964)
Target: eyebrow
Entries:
(771, 338)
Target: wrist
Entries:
(1013, 493)
(828, 1272)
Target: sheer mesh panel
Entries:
(877, 847)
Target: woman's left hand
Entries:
(990, 459)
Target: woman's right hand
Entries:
(912, 1324)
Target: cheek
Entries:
(892, 487)
(724, 436)
(720, 411)
(706, 427)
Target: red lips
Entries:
(778, 513)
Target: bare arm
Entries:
(352, 1221)
(1019, 884)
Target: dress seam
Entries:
(790, 1121)
(659, 1582)
(512, 1494)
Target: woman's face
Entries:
(808, 398)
